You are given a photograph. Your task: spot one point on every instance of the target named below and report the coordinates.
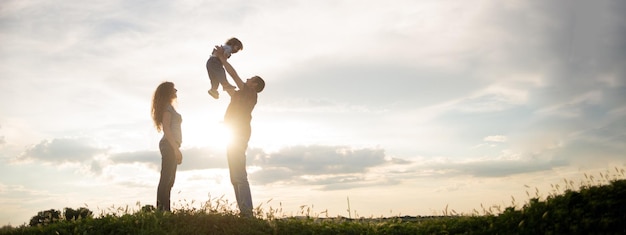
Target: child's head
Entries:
(235, 44)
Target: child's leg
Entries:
(216, 72)
(214, 82)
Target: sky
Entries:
(371, 108)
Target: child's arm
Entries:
(226, 52)
(229, 68)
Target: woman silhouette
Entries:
(167, 119)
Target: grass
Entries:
(595, 206)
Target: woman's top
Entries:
(175, 125)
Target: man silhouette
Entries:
(238, 116)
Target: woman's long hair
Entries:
(163, 96)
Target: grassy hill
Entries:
(593, 208)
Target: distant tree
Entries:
(45, 217)
(6, 229)
(80, 213)
(148, 208)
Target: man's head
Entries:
(257, 83)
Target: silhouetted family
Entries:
(243, 98)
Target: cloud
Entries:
(94, 159)
(193, 158)
(502, 168)
(62, 150)
(373, 84)
(2, 140)
(495, 98)
(489, 167)
(496, 161)
(575, 107)
(21, 191)
(323, 159)
(340, 167)
(495, 138)
(330, 167)
(149, 157)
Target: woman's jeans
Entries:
(168, 175)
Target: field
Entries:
(596, 206)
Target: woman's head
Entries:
(163, 96)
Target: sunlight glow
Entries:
(212, 134)
(273, 136)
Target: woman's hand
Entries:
(179, 156)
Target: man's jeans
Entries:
(236, 153)
(168, 175)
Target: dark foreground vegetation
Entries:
(590, 209)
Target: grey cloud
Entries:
(364, 83)
(338, 179)
(543, 159)
(501, 168)
(62, 150)
(150, 157)
(574, 48)
(576, 51)
(585, 43)
(613, 134)
(347, 181)
(486, 103)
(193, 158)
(601, 144)
(491, 168)
(592, 139)
(274, 174)
(96, 167)
(329, 167)
(399, 161)
(132, 184)
(557, 42)
(319, 159)
(81, 151)
(359, 184)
